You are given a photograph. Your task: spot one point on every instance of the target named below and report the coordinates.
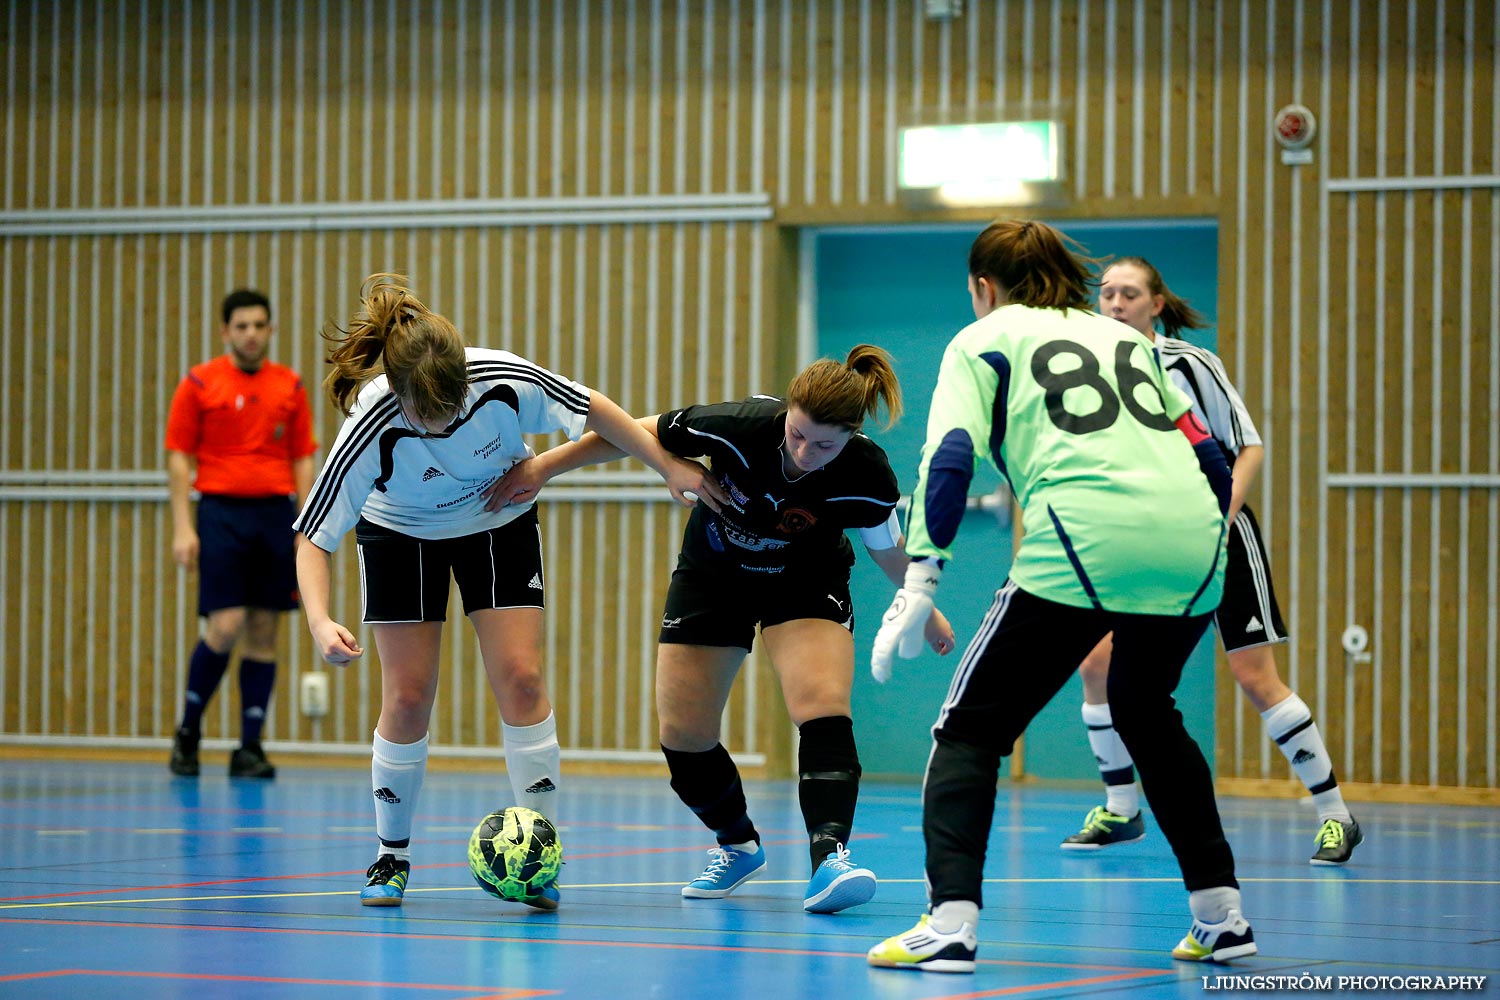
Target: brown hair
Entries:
(1033, 265)
(420, 352)
(1176, 314)
(842, 395)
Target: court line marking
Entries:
(629, 852)
(1128, 971)
(516, 993)
(35, 902)
(512, 994)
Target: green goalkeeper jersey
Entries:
(1074, 410)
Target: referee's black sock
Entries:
(828, 782)
(257, 680)
(205, 670)
(708, 783)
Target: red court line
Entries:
(1130, 973)
(504, 994)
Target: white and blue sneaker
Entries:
(730, 867)
(838, 884)
(387, 883)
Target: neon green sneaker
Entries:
(1336, 842)
(926, 949)
(1102, 828)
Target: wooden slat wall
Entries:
(1361, 327)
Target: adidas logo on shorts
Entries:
(1254, 625)
(431, 473)
(536, 581)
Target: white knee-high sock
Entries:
(1115, 765)
(396, 772)
(1291, 725)
(533, 761)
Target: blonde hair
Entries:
(420, 351)
(1034, 264)
(842, 395)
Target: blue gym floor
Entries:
(122, 881)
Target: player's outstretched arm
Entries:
(524, 480)
(681, 475)
(335, 643)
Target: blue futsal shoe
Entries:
(387, 882)
(725, 872)
(838, 884)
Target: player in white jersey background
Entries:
(1248, 619)
(431, 424)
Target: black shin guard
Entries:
(828, 782)
(708, 783)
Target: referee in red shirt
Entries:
(246, 425)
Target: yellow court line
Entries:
(659, 885)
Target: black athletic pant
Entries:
(1024, 652)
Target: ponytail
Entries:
(843, 395)
(420, 352)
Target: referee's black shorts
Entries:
(246, 553)
(405, 579)
(1248, 615)
(712, 607)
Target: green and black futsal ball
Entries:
(514, 853)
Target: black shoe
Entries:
(184, 754)
(1336, 842)
(249, 761)
(1102, 828)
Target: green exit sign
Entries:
(979, 161)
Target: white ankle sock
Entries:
(1212, 906)
(948, 917)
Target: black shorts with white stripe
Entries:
(1248, 614)
(405, 579)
